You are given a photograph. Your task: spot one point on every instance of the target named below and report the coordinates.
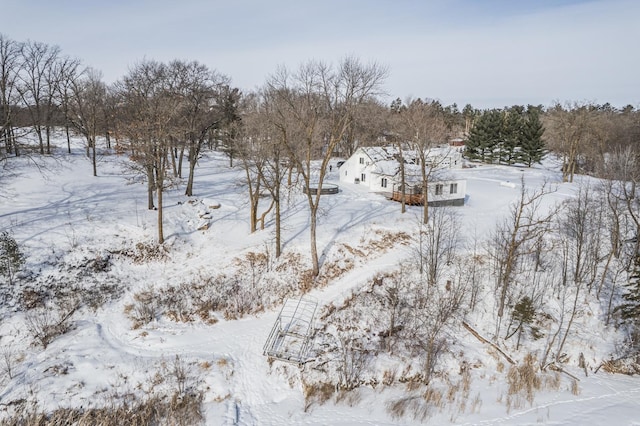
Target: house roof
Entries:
(386, 167)
(380, 153)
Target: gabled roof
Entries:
(384, 159)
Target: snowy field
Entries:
(64, 218)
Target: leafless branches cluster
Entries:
(552, 262)
(401, 315)
(165, 110)
(420, 126)
(34, 83)
(584, 135)
(297, 118)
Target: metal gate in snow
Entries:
(290, 336)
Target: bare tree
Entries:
(580, 227)
(399, 142)
(469, 114)
(369, 126)
(437, 243)
(317, 105)
(252, 148)
(433, 309)
(68, 72)
(34, 87)
(10, 65)
(390, 291)
(515, 236)
(86, 110)
(205, 101)
(570, 131)
(151, 109)
(265, 158)
(423, 126)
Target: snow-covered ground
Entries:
(64, 218)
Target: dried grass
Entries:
(419, 408)
(523, 379)
(575, 389)
(176, 410)
(317, 393)
(629, 366)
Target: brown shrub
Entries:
(523, 379)
(176, 410)
(317, 393)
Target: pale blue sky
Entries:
(488, 53)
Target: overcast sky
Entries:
(490, 53)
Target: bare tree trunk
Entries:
(278, 228)
(315, 262)
(151, 186)
(66, 131)
(403, 183)
(574, 309)
(174, 166)
(161, 169)
(48, 133)
(193, 159)
(94, 161)
(38, 130)
(425, 197)
(193, 153)
(160, 224)
(180, 158)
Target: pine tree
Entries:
(472, 145)
(11, 258)
(630, 308)
(494, 136)
(484, 138)
(532, 147)
(476, 140)
(512, 127)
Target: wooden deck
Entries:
(411, 199)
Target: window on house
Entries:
(361, 160)
(362, 177)
(453, 188)
(439, 189)
(383, 183)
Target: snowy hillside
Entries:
(100, 316)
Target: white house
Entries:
(378, 169)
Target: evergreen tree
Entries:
(476, 140)
(485, 137)
(11, 258)
(630, 308)
(494, 129)
(397, 106)
(532, 147)
(511, 134)
(508, 137)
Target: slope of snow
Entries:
(64, 216)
